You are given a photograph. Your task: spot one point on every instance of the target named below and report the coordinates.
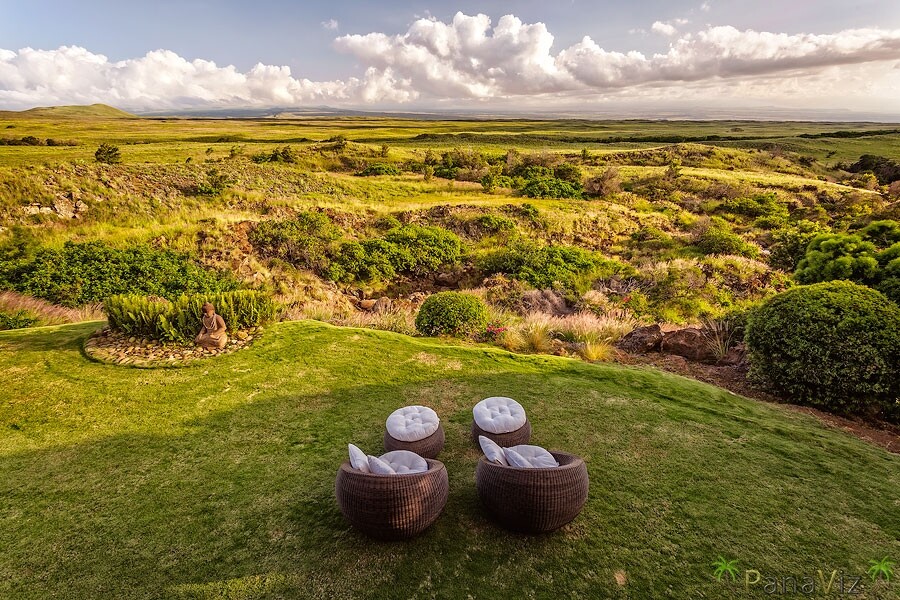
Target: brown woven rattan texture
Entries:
(505, 440)
(392, 507)
(428, 447)
(533, 500)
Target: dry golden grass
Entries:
(47, 313)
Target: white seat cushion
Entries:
(529, 457)
(358, 459)
(398, 462)
(499, 415)
(492, 451)
(412, 423)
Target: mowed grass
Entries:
(216, 480)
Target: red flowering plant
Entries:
(493, 330)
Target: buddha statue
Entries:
(212, 335)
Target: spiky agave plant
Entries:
(725, 567)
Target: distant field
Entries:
(175, 139)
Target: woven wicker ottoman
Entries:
(502, 435)
(533, 500)
(409, 420)
(392, 507)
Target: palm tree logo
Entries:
(725, 567)
(881, 568)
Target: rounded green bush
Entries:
(835, 345)
(452, 313)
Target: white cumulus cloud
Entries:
(473, 59)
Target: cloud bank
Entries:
(469, 60)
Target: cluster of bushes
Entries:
(719, 239)
(407, 250)
(832, 345)
(562, 267)
(178, 320)
(82, 273)
(281, 154)
(304, 241)
(870, 257)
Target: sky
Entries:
(527, 55)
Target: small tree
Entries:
(606, 183)
(108, 154)
(428, 173)
(384, 150)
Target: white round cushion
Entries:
(412, 423)
(529, 457)
(499, 415)
(398, 462)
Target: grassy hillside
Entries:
(216, 480)
(92, 111)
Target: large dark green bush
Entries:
(81, 273)
(835, 345)
(452, 313)
(303, 241)
(179, 320)
(109, 154)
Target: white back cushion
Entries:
(358, 459)
(404, 461)
(492, 451)
(529, 457)
(499, 414)
(412, 423)
(398, 462)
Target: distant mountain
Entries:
(93, 111)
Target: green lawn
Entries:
(216, 480)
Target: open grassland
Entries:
(216, 480)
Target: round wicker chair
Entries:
(513, 438)
(533, 500)
(392, 507)
(428, 447)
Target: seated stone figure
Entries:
(212, 334)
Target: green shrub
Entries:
(108, 154)
(378, 169)
(81, 273)
(716, 239)
(832, 345)
(179, 320)
(303, 241)
(424, 249)
(838, 256)
(569, 172)
(452, 313)
(551, 188)
(789, 244)
(283, 154)
(369, 260)
(214, 184)
(16, 320)
(550, 266)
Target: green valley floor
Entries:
(217, 480)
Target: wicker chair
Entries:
(428, 447)
(533, 500)
(513, 438)
(392, 507)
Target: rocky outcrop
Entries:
(691, 343)
(642, 340)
